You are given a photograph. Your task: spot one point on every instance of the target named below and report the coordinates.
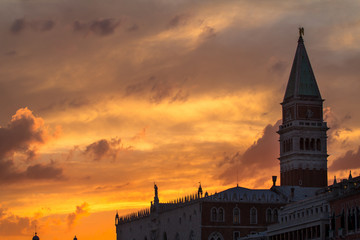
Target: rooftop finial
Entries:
(156, 189)
(200, 191)
(274, 180)
(301, 31)
(156, 197)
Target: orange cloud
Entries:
(24, 134)
(261, 155)
(157, 90)
(13, 225)
(105, 148)
(80, 211)
(348, 161)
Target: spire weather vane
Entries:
(301, 31)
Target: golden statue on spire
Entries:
(301, 31)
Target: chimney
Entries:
(274, 180)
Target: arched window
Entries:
(276, 215)
(318, 144)
(342, 220)
(312, 144)
(221, 215)
(351, 220)
(332, 222)
(215, 236)
(253, 215)
(301, 144)
(236, 215)
(213, 214)
(268, 215)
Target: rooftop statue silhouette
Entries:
(35, 237)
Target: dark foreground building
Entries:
(229, 214)
(334, 213)
(345, 209)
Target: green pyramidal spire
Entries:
(302, 82)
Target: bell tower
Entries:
(303, 139)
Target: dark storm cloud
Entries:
(279, 67)
(98, 149)
(160, 90)
(336, 125)
(22, 24)
(261, 155)
(179, 20)
(39, 171)
(100, 27)
(12, 225)
(232, 159)
(179, 96)
(351, 160)
(105, 149)
(10, 174)
(157, 90)
(22, 135)
(43, 25)
(104, 27)
(23, 130)
(18, 25)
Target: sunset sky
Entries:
(100, 99)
